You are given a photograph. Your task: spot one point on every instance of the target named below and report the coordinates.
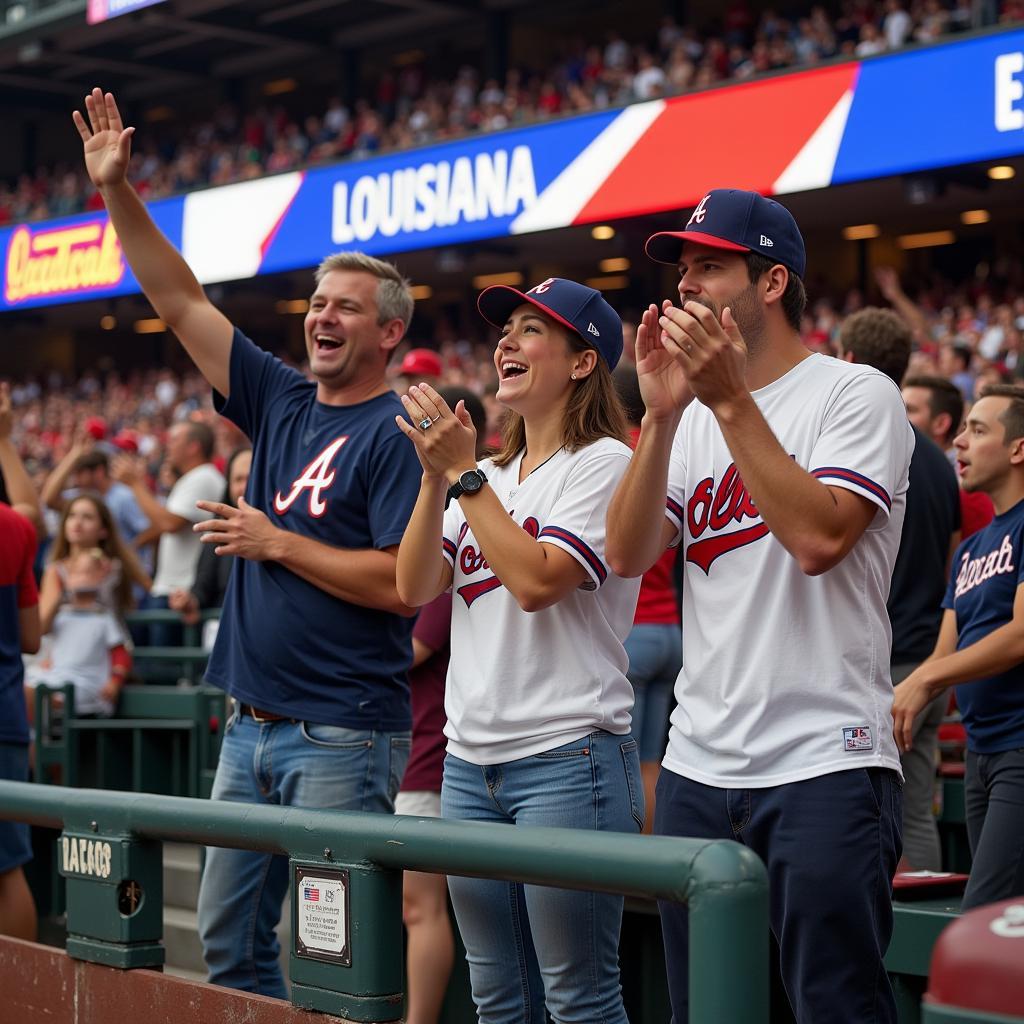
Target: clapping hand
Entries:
(445, 439)
(663, 382)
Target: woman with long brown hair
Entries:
(537, 699)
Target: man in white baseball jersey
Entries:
(785, 474)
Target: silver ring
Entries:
(425, 423)
(688, 348)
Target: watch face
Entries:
(471, 481)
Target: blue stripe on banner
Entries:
(841, 473)
(556, 532)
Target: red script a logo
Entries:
(317, 476)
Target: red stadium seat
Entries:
(978, 965)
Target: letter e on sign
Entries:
(1009, 113)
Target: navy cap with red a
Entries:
(583, 310)
(739, 221)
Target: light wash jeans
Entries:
(284, 764)
(527, 944)
(655, 657)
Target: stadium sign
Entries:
(434, 195)
(928, 107)
(104, 10)
(65, 261)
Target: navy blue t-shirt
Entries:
(346, 476)
(987, 569)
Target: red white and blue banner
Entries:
(933, 107)
(97, 11)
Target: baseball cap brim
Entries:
(667, 246)
(496, 304)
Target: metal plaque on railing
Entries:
(321, 910)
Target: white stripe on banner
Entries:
(560, 203)
(812, 167)
(223, 229)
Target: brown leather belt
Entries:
(258, 715)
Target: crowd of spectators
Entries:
(970, 332)
(407, 107)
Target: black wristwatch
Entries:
(469, 483)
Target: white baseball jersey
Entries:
(786, 676)
(523, 682)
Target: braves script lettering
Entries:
(472, 561)
(714, 508)
(974, 571)
(315, 478)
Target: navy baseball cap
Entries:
(583, 310)
(729, 218)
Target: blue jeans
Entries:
(831, 845)
(289, 765)
(528, 944)
(655, 657)
(15, 843)
(994, 796)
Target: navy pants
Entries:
(831, 845)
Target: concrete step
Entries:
(181, 875)
(181, 940)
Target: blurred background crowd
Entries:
(419, 104)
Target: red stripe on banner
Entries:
(272, 233)
(741, 136)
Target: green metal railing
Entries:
(110, 854)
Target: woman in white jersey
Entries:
(537, 699)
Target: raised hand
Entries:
(663, 383)
(107, 142)
(888, 282)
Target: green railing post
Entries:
(346, 955)
(114, 897)
(728, 926)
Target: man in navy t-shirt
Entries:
(314, 642)
(980, 649)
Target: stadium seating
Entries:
(977, 968)
(163, 739)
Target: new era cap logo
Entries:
(765, 240)
(594, 331)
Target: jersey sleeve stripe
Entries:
(574, 542)
(676, 509)
(849, 476)
(449, 549)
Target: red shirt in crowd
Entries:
(426, 681)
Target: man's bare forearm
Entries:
(160, 269)
(362, 577)
(800, 511)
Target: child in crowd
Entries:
(85, 525)
(88, 648)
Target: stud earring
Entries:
(572, 376)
